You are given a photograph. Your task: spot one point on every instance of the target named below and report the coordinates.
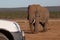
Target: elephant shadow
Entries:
(29, 32)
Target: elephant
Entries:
(37, 15)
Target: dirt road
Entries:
(53, 32)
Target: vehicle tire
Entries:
(3, 37)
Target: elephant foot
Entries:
(44, 30)
(34, 32)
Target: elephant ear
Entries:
(28, 16)
(28, 13)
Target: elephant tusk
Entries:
(33, 21)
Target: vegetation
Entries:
(54, 14)
(22, 14)
(13, 14)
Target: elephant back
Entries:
(38, 11)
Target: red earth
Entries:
(53, 32)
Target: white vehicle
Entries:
(10, 31)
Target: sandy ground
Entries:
(53, 32)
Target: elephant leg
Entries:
(36, 28)
(32, 26)
(36, 25)
(44, 26)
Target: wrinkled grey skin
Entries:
(37, 15)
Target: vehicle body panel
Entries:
(10, 26)
(13, 28)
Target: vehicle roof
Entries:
(9, 25)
